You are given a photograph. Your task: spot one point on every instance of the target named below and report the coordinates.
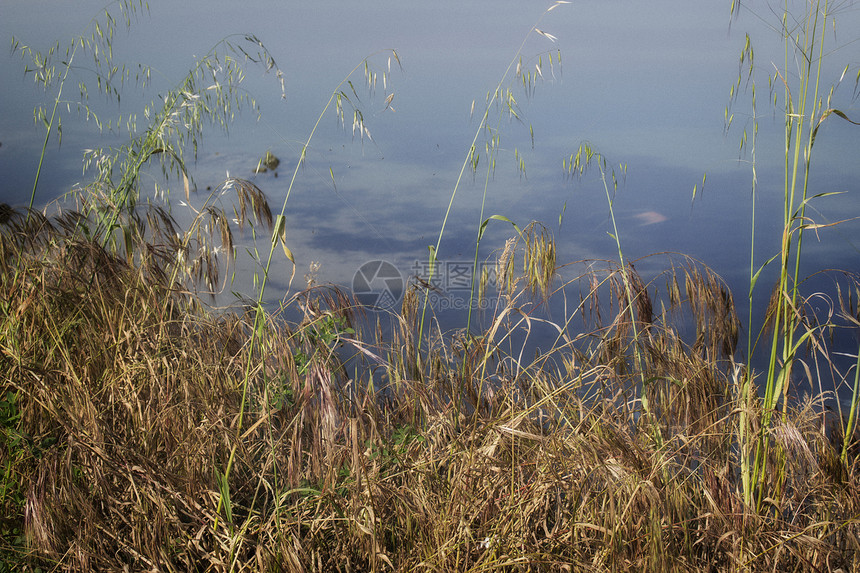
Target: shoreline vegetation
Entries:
(143, 430)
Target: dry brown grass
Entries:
(354, 453)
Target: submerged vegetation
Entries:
(143, 430)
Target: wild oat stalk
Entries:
(507, 108)
(97, 42)
(209, 94)
(472, 158)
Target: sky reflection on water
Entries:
(645, 83)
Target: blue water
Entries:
(646, 84)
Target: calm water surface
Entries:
(646, 84)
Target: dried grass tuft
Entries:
(123, 398)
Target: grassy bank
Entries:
(122, 398)
(143, 429)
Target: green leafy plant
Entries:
(323, 332)
(805, 103)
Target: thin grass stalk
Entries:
(279, 236)
(49, 128)
(643, 394)
(470, 154)
(463, 366)
(481, 227)
(578, 164)
(747, 380)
